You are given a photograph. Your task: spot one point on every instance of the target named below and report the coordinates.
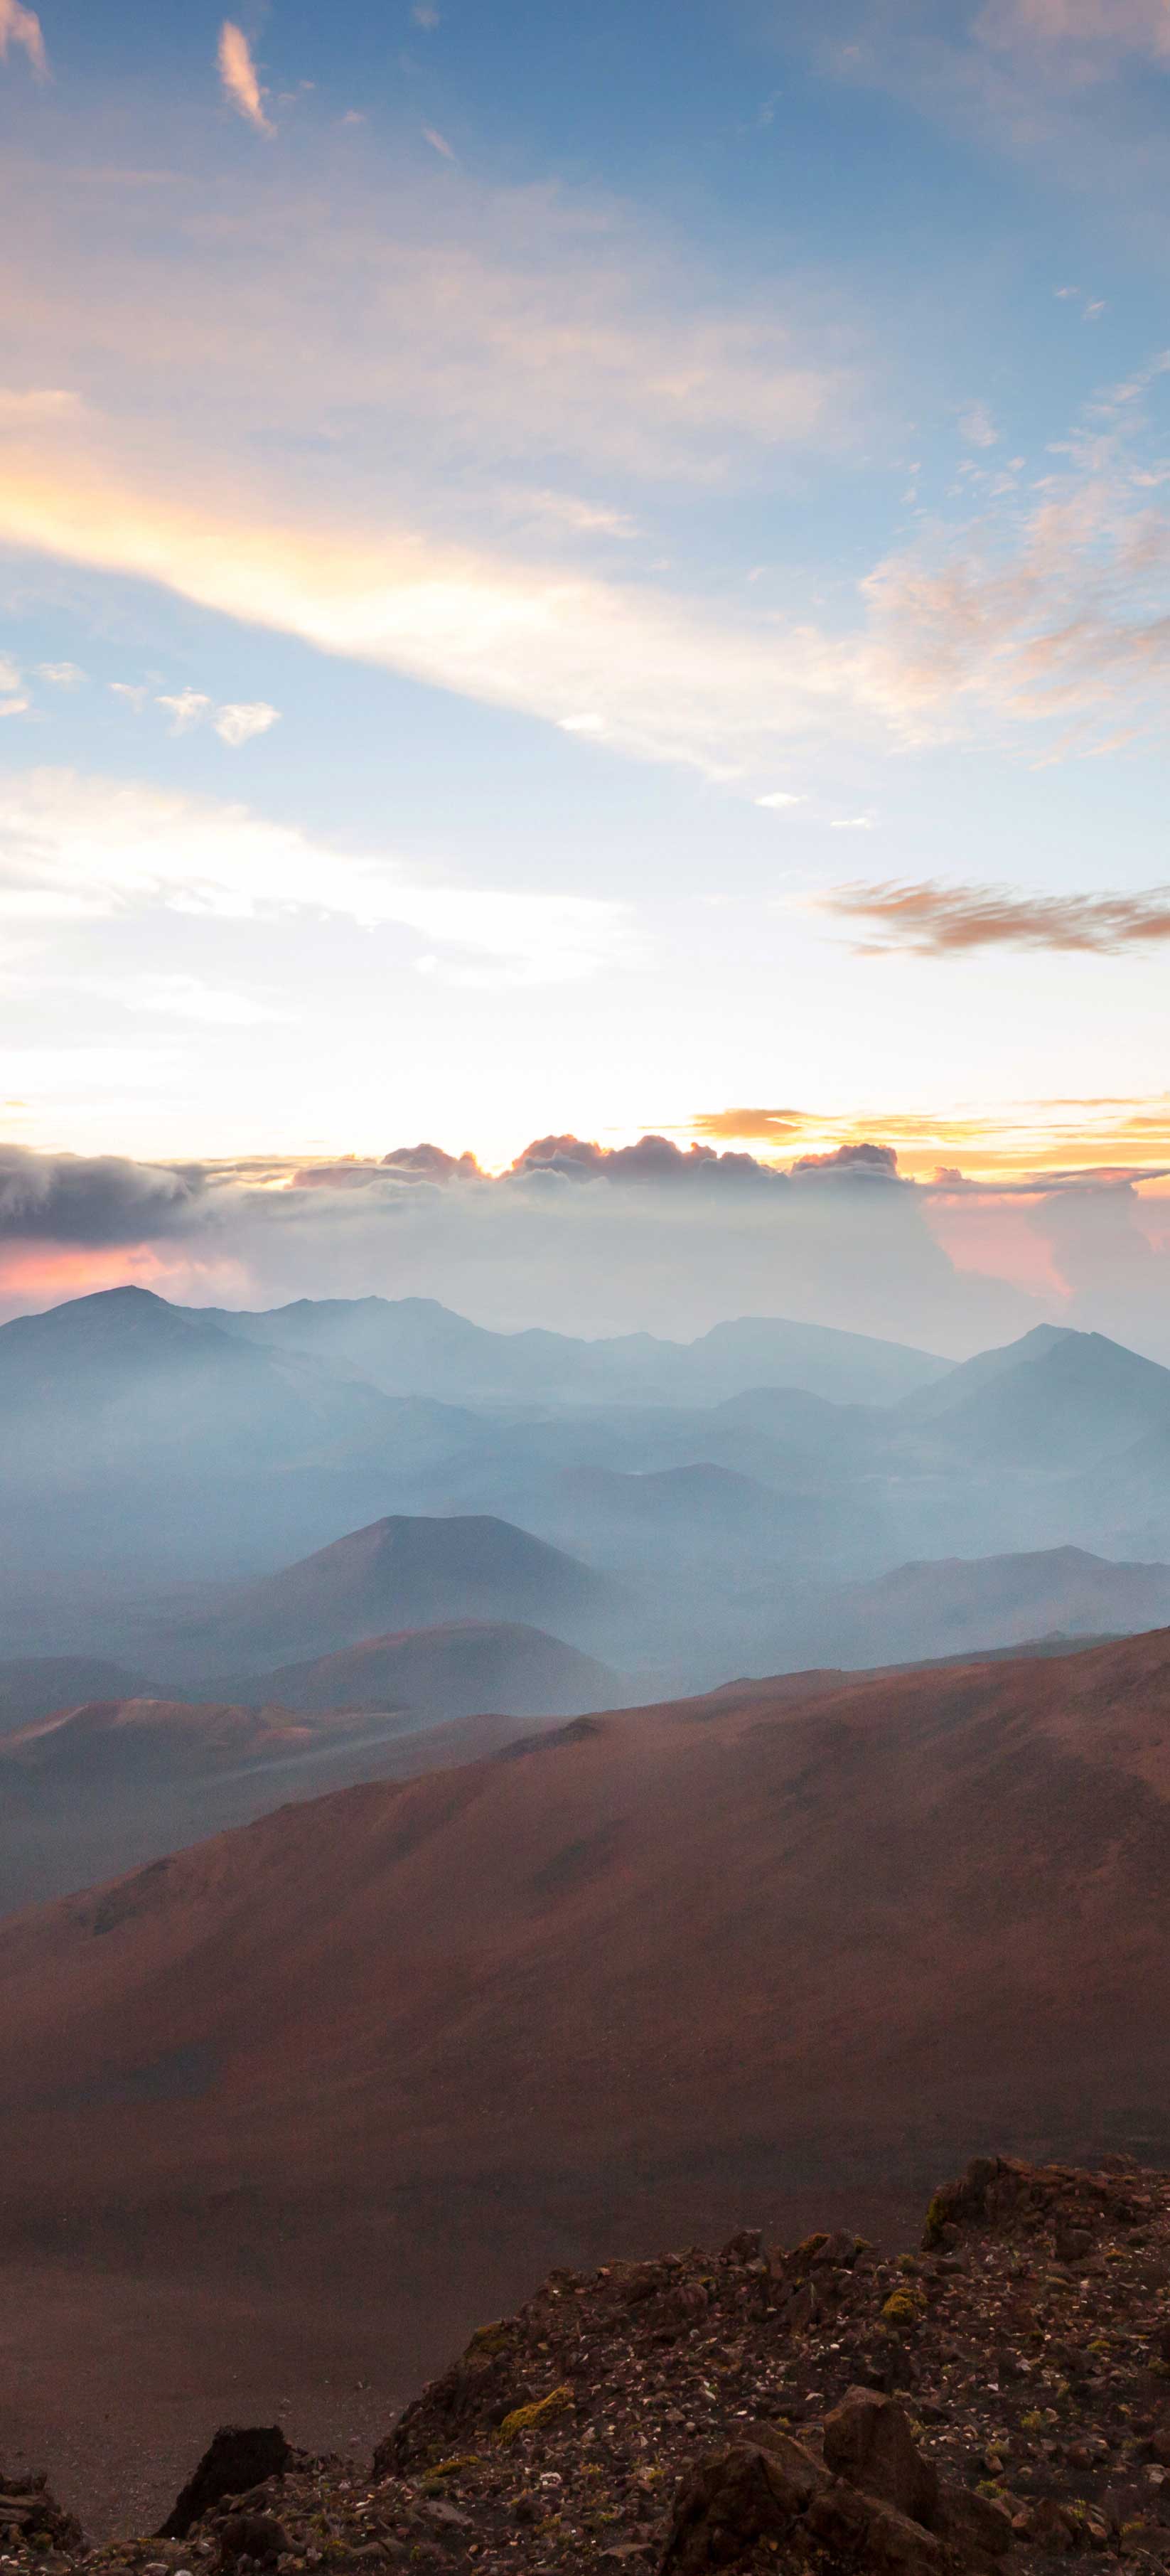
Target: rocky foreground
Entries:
(987, 2406)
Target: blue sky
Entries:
(567, 570)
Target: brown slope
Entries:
(454, 1670)
(410, 2041)
(36, 1686)
(112, 1784)
(406, 1571)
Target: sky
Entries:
(589, 572)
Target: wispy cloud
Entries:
(937, 920)
(239, 723)
(662, 677)
(977, 426)
(186, 709)
(237, 72)
(1101, 30)
(75, 848)
(438, 142)
(22, 27)
(61, 675)
(235, 723)
(1053, 605)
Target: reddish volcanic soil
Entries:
(785, 1953)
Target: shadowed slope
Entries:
(112, 1783)
(822, 1910)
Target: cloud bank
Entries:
(593, 1239)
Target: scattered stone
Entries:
(998, 2406)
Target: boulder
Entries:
(240, 2456)
(252, 2535)
(868, 2440)
(733, 2500)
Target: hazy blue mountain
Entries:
(953, 1605)
(1053, 1400)
(413, 1345)
(136, 1431)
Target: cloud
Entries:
(80, 848)
(61, 675)
(977, 426)
(438, 142)
(652, 1162)
(425, 16)
(22, 27)
(188, 708)
(936, 920)
(239, 724)
(100, 1199)
(9, 674)
(236, 723)
(577, 1235)
(1099, 31)
(664, 678)
(865, 1162)
(237, 72)
(15, 706)
(1051, 607)
(762, 1126)
(779, 799)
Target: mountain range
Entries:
(154, 1455)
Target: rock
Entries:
(839, 2248)
(1051, 2526)
(868, 2440)
(973, 2523)
(31, 2515)
(743, 2248)
(239, 2456)
(735, 2499)
(865, 2532)
(252, 2535)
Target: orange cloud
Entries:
(20, 26)
(935, 920)
(1023, 1142)
(237, 72)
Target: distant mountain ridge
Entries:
(414, 1345)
